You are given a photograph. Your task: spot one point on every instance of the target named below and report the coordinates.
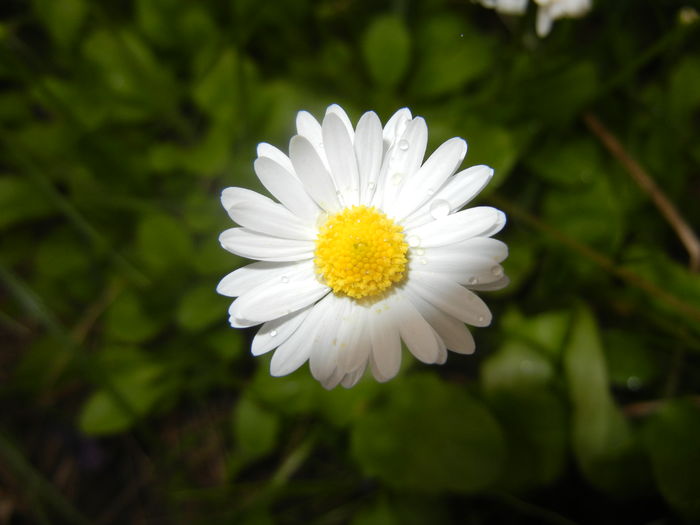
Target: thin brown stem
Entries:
(683, 230)
(607, 264)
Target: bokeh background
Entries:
(126, 398)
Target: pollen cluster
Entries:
(360, 252)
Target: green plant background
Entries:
(126, 398)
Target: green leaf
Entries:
(545, 332)
(126, 320)
(163, 242)
(62, 18)
(219, 90)
(631, 362)
(451, 54)
(683, 97)
(256, 429)
(201, 307)
(570, 163)
(386, 47)
(138, 388)
(535, 423)
(604, 445)
(429, 436)
(516, 366)
(20, 201)
(671, 437)
(591, 214)
(379, 513)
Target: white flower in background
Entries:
(365, 249)
(547, 12)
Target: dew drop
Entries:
(473, 280)
(439, 208)
(273, 333)
(371, 185)
(424, 261)
(481, 318)
(413, 241)
(496, 270)
(403, 145)
(396, 179)
(420, 251)
(285, 279)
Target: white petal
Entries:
(323, 358)
(386, 344)
(313, 174)
(274, 299)
(453, 332)
(353, 338)
(309, 128)
(341, 159)
(402, 160)
(454, 194)
(286, 187)
(451, 298)
(271, 152)
(470, 270)
(431, 176)
(496, 285)
(351, 379)
(333, 380)
(238, 323)
(481, 221)
(335, 109)
(248, 277)
(415, 331)
(369, 151)
(274, 333)
(395, 127)
(258, 213)
(465, 185)
(254, 245)
(294, 352)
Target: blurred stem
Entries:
(631, 278)
(669, 211)
(35, 487)
(293, 462)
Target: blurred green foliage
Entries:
(125, 396)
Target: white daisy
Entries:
(547, 12)
(366, 248)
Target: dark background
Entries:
(126, 398)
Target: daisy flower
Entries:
(547, 12)
(365, 249)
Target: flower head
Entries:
(366, 248)
(547, 12)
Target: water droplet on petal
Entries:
(284, 279)
(403, 145)
(496, 270)
(413, 241)
(481, 318)
(396, 178)
(273, 333)
(371, 185)
(439, 208)
(424, 261)
(420, 251)
(473, 280)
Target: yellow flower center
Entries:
(360, 252)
